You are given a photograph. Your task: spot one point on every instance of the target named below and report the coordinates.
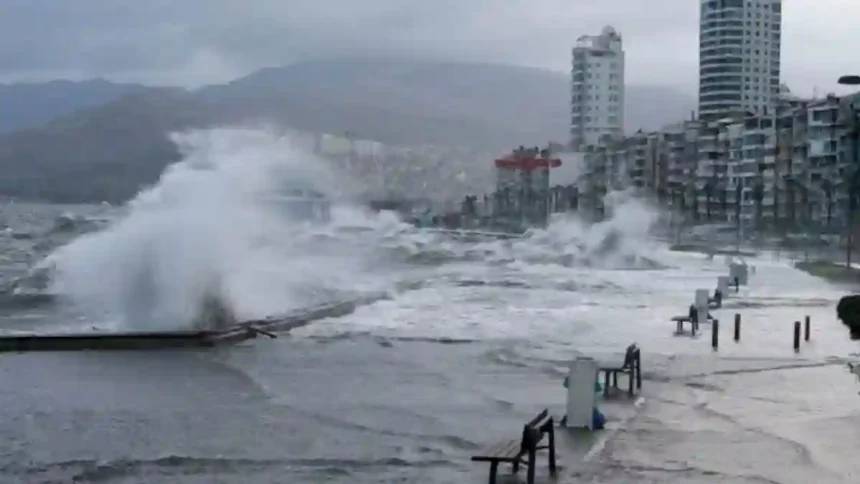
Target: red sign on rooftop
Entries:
(526, 163)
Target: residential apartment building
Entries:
(597, 88)
(739, 57)
(791, 169)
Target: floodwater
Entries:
(407, 389)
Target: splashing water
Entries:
(622, 241)
(204, 232)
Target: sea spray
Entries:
(205, 231)
(622, 240)
(626, 230)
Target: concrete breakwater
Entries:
(704, 249)
(185, 339)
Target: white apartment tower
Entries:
(739, 52)
(597, 89)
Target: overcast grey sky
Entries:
(192, 42)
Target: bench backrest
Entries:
(533, 431)
(631, 356)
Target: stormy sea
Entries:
(457, 344)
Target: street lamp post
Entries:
(852, 80)
(738, 196)
(828, 184)
(758, 196)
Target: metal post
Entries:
(760, 184)
(797, 336)
(715, 334)
(833, 165)
(853, 188)
(806, 329)
(737, 327)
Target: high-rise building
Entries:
(739, 53)
(597, 89)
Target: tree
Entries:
(709, 194)
(853, 202)
(792, 209)
(795, 186)
(758, 195)
(738, 195)
(775, 204)
(827, 187)
(695, 207)
(661, 195)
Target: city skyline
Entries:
(774, 159)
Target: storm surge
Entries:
(621, 241)
(206, 246)
(207, 236)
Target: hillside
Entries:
(104, 153)
(108, 152)
(25, 105)
(472, 104)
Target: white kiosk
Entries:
(702, 304)
(739, 271)
(723, 285)
(581, 397)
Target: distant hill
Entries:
(104, 153)
(25, 105)
(107, 152)
(471, 104)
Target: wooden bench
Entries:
(692, 318)
(632, 367)
(680, 320)
(523, 451)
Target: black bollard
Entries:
(715, 334)
(797, 336)
(737, 327)
(806, 329)
(694, 319)
(638, 370)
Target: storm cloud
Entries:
(193, 42)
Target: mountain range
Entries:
(97, 140)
